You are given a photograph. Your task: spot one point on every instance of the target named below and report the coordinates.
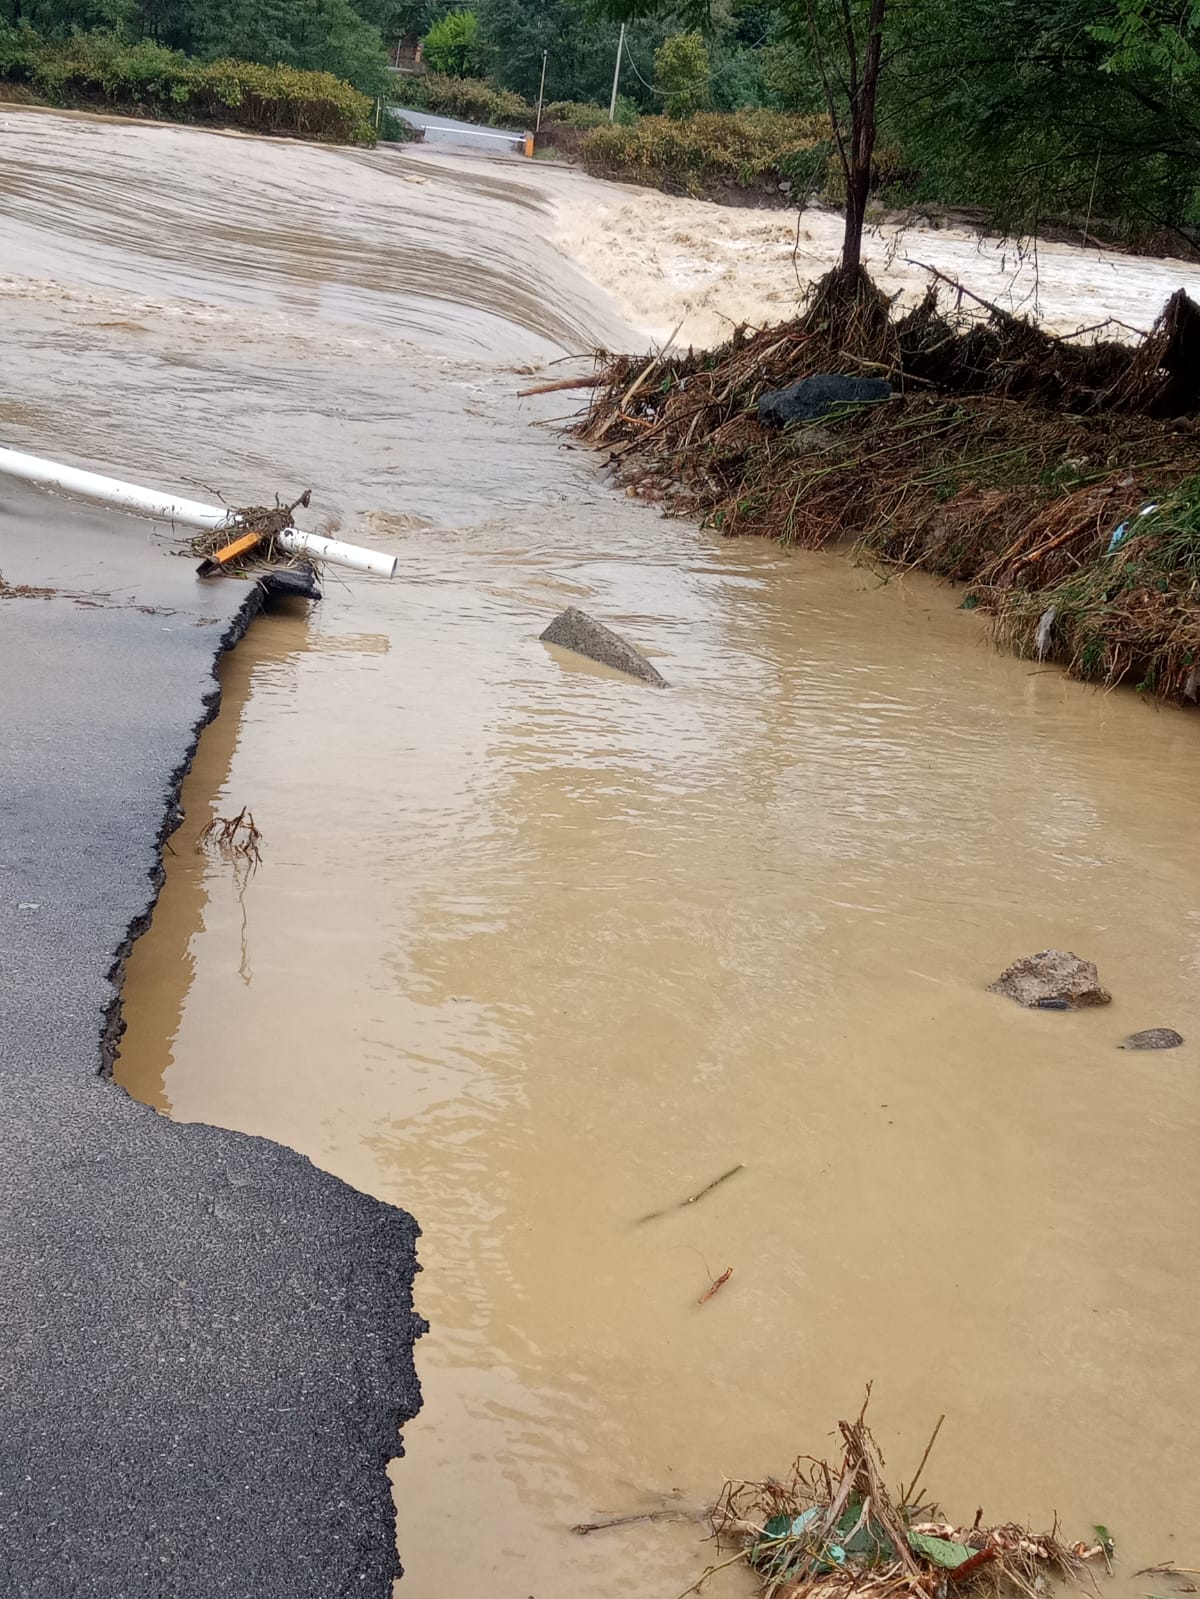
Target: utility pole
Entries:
(541, 94)
(612, 104)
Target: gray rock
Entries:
(575, 630)
(1154, 1038)
(1052, 980)
(816, 396)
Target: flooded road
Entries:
(535, 951)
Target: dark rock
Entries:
(816, 396)
(1154, 1038)
(575, 630)
(1052, 980)
(285, 582)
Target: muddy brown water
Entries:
(534, 951)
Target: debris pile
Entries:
(249, 545)
(1005, 457)
(836, 1532)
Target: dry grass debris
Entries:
(262, 522)
(1006, 458)
(838, 1532)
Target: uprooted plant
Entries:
(236, 838)
(838, 1532)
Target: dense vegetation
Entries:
(1088, 109)
(342, 37)
(710, 153)
(146, 79)
(1085, 109)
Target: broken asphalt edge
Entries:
(382, 1440)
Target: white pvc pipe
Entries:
(352, 555)
(185, 513)
(109, 491)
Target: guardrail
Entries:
(436, 131)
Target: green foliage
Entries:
(472, 100)
(580, 47)
(575, 114)
(790, 77)
(454, 48)
(146, 78)
(683, 73)
(709, 153)
(1144, 35)
(1039, 108)
(338, 36)
(317, 35)
(737, 77)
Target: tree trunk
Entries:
(857, 159)
(858, 188)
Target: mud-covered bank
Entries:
(1059, 477)
(205, 1341)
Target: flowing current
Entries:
(535, 951)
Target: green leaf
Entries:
(940, 1550)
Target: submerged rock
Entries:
(1154, 1038)
(575, 630)
(816, 396)
(1054, 979)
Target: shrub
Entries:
(471, 100)
(684, 74)
(149, 80)
(575, 114)
(18, 51)
(710, 152)
(453, 46)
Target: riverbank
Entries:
(1058, 478)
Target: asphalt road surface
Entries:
(205, 1342)
(450, 132)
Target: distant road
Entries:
(459, 135)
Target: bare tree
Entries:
(851, 91)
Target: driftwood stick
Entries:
(692, 1198)
(960, 288)
(584, 1527)
(591, 382)
(906, 1494)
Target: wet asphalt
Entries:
(205, 1341)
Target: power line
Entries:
(638, 76)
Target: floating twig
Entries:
(715, 1286)
(584, 1527)
(692, 1198)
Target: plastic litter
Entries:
(1122, 533)
(1044, 628)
